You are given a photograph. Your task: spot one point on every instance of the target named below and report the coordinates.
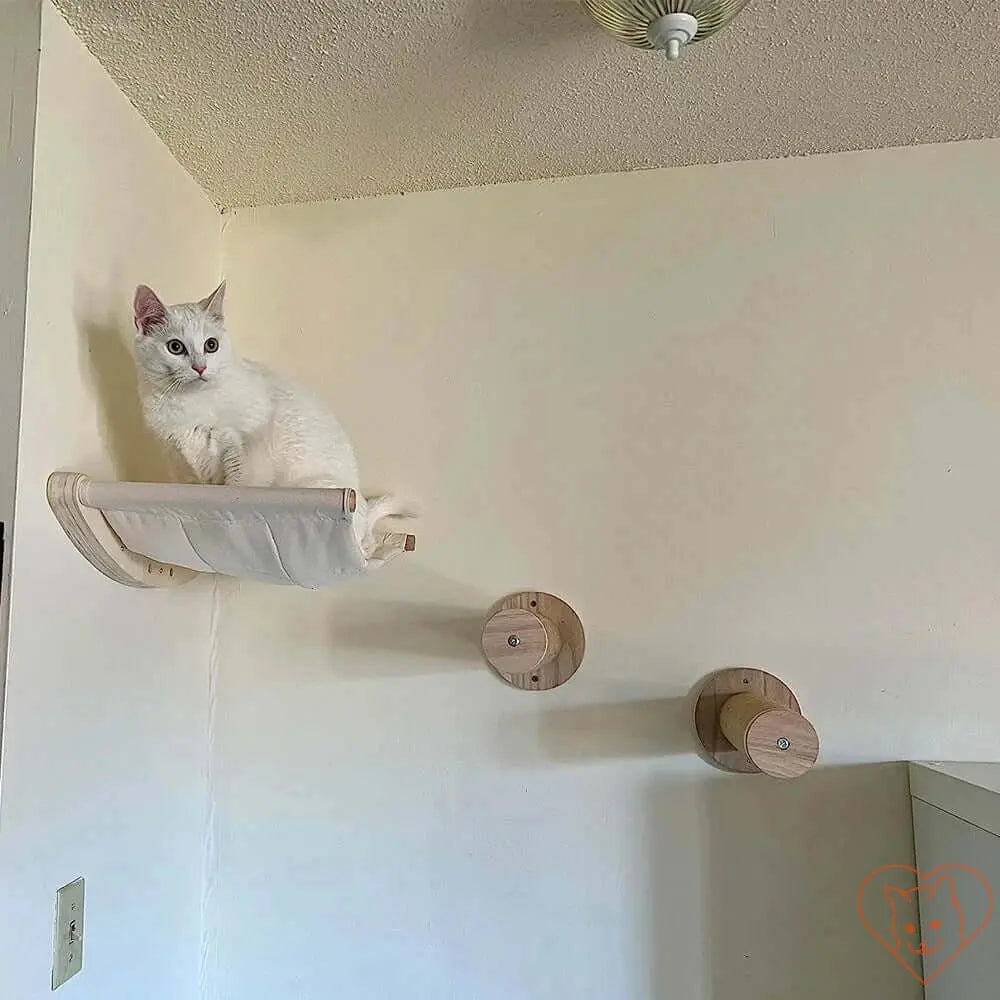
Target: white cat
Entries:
(234, 422)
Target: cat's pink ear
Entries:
(213, 305)
(148, 309)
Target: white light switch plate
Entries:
(67, 949)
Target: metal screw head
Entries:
(513, 640)
(783, 743)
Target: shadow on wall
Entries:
(629, 728)
(439, 633)
(782, 863)
(588, 734)
(106, 366)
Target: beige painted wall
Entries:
(783, 371)
(20, 28)
(105, 746)
(740, 414)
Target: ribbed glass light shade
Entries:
(629, 20)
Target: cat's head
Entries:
(943, 916)
(185, 344)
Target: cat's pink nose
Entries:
(200, 369)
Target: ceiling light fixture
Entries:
(668, 25)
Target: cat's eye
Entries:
(211, 345)
(176, 347)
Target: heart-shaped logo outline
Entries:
(919, 880)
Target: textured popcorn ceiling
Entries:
(269, 101)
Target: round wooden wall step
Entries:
(534, 641)
(749, 721)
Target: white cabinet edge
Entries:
(968, 790)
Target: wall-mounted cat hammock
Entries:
(164, 534)
(749, 721)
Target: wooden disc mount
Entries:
(534, 641)
(749, 721)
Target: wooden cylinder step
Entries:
(533, 640)
(749, 721)
(518, 641)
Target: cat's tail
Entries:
(378, 508)
(386, 506)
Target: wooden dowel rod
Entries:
(737, 715)
(137, 496)
(779, 741)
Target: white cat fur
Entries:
(231, 421)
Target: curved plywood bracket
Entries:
(96, 541)
(164, 534)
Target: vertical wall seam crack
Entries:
(207, 985)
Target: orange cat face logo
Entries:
(925, 945)
(948, 924)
